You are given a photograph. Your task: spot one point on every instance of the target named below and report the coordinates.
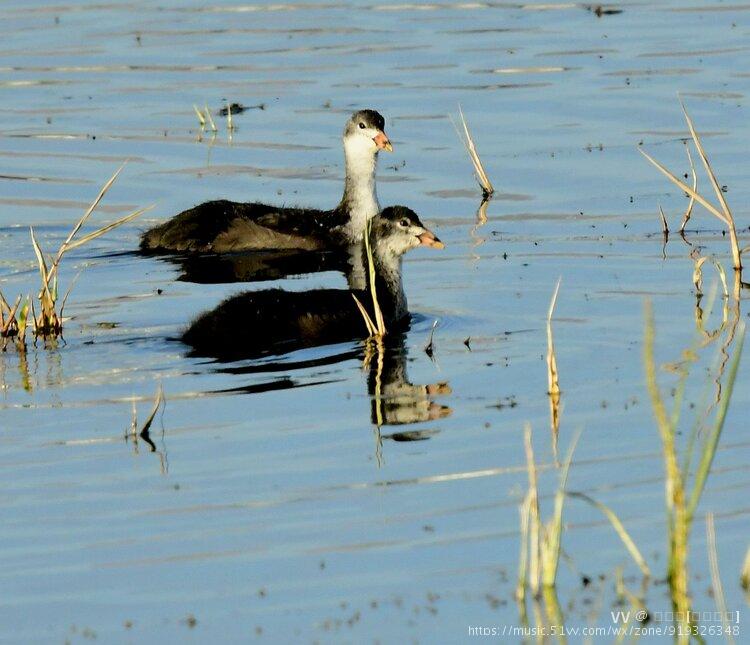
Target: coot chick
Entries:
(224, 226)
(274, 321)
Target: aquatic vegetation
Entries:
(429, 348)
(717, 587)
(479, 171)
(201, 118)
(137, 431)
(553, 376)
(540, 542)
(745, 575)
(210, 119)
(681, 498)
(230, 124)
(13, 321)
(664, 225)
(619, 528)
(49, 322)
(275, 501)
(375, 328)
(691, 200)
(722, 213)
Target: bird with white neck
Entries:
(224, 226)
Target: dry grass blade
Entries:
(698, 274)
(728, 218)
(64, 247)
(718, 589)
(379, 320)
(707, 165)
(10, 326)
(725, 214)
(210, 119)
(706, 204)
(553, 381)
(429, 348)
(157, 404)
(468, 141)
(46, 297)
(49, 322)
(67, 293)
(691, 202)
(132, 432)
(4, 306)
(619, 529)
(230, 125)
(39, 257)
(664, 226)
(722, 277)
(107, 228)
(482, 212)
(371, 331)
(201, 118)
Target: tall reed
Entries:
(723, 212)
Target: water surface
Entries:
(273, 506)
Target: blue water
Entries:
(282, 513)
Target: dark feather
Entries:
(222, 226)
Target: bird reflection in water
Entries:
(266, 323)
(257, 266)
(395, 400)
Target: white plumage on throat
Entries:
(360, 195)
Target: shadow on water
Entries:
(255, 266)
(248, 266)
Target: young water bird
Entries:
(224, 226)
(273, 321)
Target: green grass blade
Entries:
(711, 443)
(553, 530)
(619, 529)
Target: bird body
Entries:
(273, 321)
(224, 226)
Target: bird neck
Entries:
(389, 286)
(360, 198)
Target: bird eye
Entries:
(404, 222)
(361, 126)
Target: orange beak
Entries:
(383, 142)
(428, 239)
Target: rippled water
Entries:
(272, 505)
